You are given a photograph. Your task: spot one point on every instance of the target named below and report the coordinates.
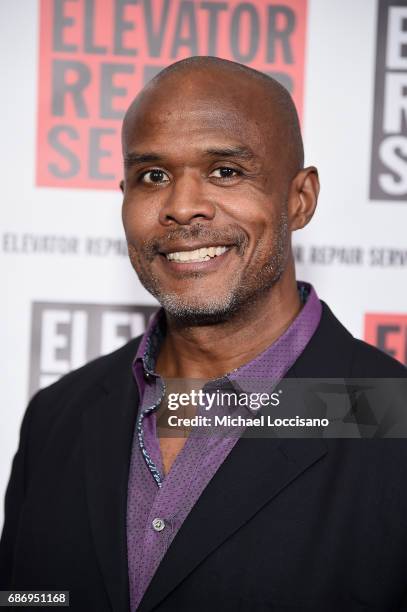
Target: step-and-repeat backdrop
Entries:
(69, 69)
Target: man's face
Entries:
(205, 201)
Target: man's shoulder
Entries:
(57, 410)
(369, 361)
(94, 372)
(334, 352)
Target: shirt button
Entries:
(158, 524)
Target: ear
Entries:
(121, 185)
(303, 197)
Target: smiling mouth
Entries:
(198, 255)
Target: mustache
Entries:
(231, 235)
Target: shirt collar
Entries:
(264, 369)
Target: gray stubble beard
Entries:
(214, 310)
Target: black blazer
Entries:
(316, 524)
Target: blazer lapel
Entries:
(108, 425)
(255, 472)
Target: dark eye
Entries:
(224, 173)
(155, 176)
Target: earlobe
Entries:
(303, 197)
(121, 185)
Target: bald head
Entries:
(215, 81)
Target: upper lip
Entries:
(192, 247)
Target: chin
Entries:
(197, 312)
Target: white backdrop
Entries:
(357, 231)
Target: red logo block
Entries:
(389, 333)
(96, 55)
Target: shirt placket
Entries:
(158, 535)
(168, 508)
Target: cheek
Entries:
(139, 220)
(265, 229)
(256, 222)
(136, 260)
(253, 209)
(133, 257)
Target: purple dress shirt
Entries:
(157, 505)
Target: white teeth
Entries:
(202, 254)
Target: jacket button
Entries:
(158, 524)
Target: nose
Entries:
(186, 202)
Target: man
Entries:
(101, 505)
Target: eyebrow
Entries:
(240, 152)
(231, 152)
(130, 159)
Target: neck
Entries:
(210, 351)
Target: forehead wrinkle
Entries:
(224, 151)
(211, 114)
(214, 82)
(218, 134)
(210, 111)
(155, 119)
